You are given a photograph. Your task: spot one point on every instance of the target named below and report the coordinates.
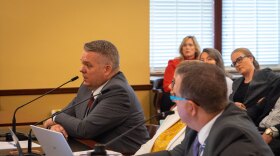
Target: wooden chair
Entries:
(157, 90)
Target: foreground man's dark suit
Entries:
(113, 113)
(233, 134)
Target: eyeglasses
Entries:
(176, 98)
(238, 60)
(172, 83)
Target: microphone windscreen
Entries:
(74, 78)
(166, 113)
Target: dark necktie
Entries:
(196, 145)
(197, 148)
(89, 105)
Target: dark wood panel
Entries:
(218, 24)
(58, 91)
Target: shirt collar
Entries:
(98, 90)
(205, 130)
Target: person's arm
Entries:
(50, 122)
(168, 75)
(272, 123)
(110, 112)
(240, 105)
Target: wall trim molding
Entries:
(18, 124)
(39, 91)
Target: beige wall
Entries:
(41, 43)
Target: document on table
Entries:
(4, 145)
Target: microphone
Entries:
(20, 135)
(99, 149)
(29, 145)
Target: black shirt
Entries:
(241, 92)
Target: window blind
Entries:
(253, 24)
(171, 21)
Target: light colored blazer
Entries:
(167, 123)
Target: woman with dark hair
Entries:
(213, 56)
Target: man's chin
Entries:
(86, 84)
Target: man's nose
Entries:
(82, 69)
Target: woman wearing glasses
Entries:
(250, 89)
(256, 92)
(189, 50)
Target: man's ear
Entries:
(107, 69)
(193, 107)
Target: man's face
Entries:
(93, 69)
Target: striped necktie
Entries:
(196, 145)
(89, 105)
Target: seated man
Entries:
(215, 126)
(172, 130)
(108, 115)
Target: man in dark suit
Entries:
(108, 115)
(215, 126)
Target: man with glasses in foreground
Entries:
(215, 126)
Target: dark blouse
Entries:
(241, 92)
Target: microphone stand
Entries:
(20, 135)
(99, 149)
(29, 147)
(29, 143)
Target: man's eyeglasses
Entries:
(176, 98)
(238, 60)
(172, 83)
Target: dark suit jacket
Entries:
(113, 113)
(265, 84)
(232, 134)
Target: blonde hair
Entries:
(196, 45)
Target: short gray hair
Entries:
(106, 49)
